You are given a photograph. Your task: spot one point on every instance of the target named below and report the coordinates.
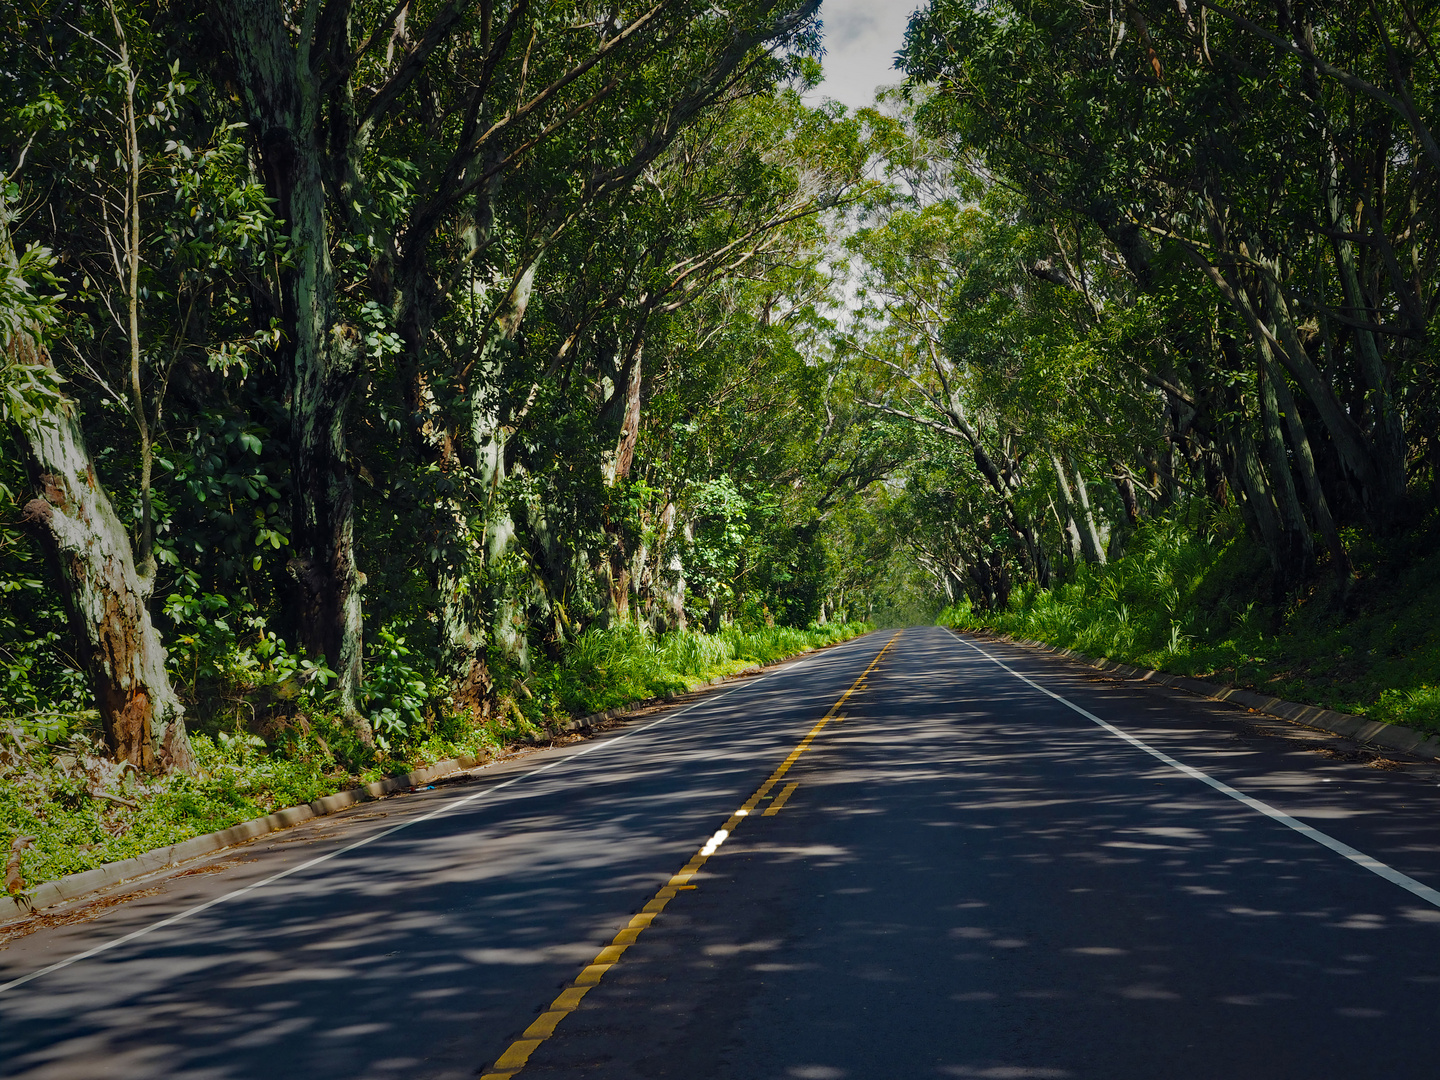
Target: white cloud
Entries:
(861, 40)
(844, 29)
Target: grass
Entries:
(82, 811)
(1197, 602)
(608, 667)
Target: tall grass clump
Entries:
(688, 652)
(768, 643)
(608, 666)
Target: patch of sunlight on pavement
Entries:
(1006, 1072)
(1148, 992)
(548, 955)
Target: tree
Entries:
(1215, 157)
(320, 101)
(144, 722)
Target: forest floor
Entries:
(1197, 601)
(80, 810)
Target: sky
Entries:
(861, 40)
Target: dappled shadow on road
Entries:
(422, 953)
(973, 881)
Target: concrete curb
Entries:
(1374, 732)
(72, 886)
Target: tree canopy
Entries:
(365, 357)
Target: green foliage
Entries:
(609, 666)
(1191, 601)
(666, 346)
(56, 784)
(44, 687)
(402, 693)
(28, 311)
(230, 662)
(85, 812)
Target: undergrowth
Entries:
(607, 667)
(1198, 602)
(266, 736)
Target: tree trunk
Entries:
(1383, 484)
(1089, 535)
(1039, 558)
(1356, 453)
(1296, 551)
(619, 574)
(71, 516)
(629, 435)
(277, 84)
(1258, 503)
(1125, 485)
(1068, 525)
(1035, 548)
(473, 608)
(1389, 430)
(1305, 466)
(670, 569)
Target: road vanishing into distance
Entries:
(907, 856)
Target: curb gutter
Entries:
(49, 893)
(1375, 732)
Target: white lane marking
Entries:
(106, 946)
(1359, 858)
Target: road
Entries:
(985, 863)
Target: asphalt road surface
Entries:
(949, 867)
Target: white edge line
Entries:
(106, 946)
(1359, 858)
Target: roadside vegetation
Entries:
(412, 423)
(1183, 599)
(557, 353)
(81, 809)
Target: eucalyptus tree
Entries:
(1266, 177)
(387, 134)
(83, 536)
(707, 262)
(961, 340)
(947, 518)
(138, 195)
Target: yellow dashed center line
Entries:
(514, 1058)
(781, 799)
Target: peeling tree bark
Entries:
(77, 527)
